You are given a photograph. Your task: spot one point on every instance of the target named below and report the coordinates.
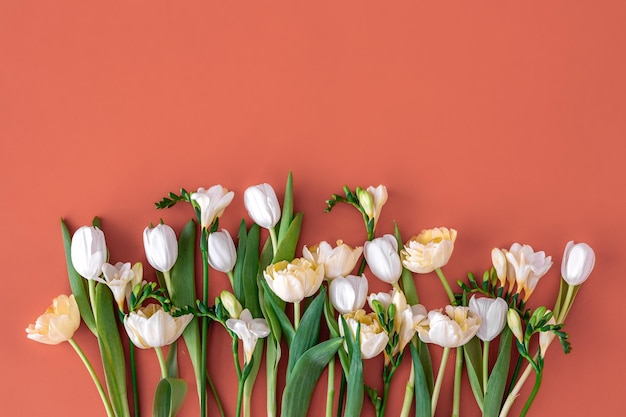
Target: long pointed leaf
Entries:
(111, 350)
(474, 361)
(77, 283)
(287, 212)
(238, 287)
(277, 318)
(169, 397)
(497, 380)
(356, 387)
(408, 284)
(308, 332)
(287, 247)
(304, 377)
(422, 390)
(249, 273)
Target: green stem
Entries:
(566, 304)
(342, 394)
(439, 381)
(408, 394)
(330, 391)
(167, 277)
(94, 376)
(387, 382)
(515, 391)
(205, 326)
(445, 284)
(272, 357)
(458, 372)
(296, 315)
(162, 363)
(533, 394)
(231, 278)
(485, 365)
(133, 373)
(274, 240)
(217, 397)
(239, 397)
(92, 295)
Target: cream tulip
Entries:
(453, 329)
(248, 330)
(492, 313)
(294, 281)
(58, 323)
(373, 337)
(212, 203)
(151, 326)
(117, 278)
(578, 262)
(262, 205)
(222, 252)
(88, 252)
(429, 250)
(527, 266)
(161, 247)
(337, 261)
(348, 294)
(382, 257)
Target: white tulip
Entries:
(222, 252)
(338, 261)
(262, 205)
(89, 252)
(348, 294)
(151, 326)
(382, 257)
(578, 262)
(249, 330)
(212, 203)
(492, 313)
(161, 247)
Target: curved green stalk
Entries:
(439, 381)
(533, 394)
(408, 394)
(445, 284)
(296, 315)
(205, 325)
(485, 365)
(330, 390)
(162, 364)
(94, 376)
(456, 401)
(515, 391)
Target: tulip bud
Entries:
(492, 312)
(578, 262)
(222, 251)
(348, 294)
(88, 252)
(161, 247)
(515, 324)
(262, 205)
(231, 304)
(382, 257)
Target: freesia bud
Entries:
(384, 298)
(212, 203)
(382, 257)
(515, 324)
(262, 205)
(151, 326)
(546, 338)
(161, 247)
(578, 262)
(88, 252)
(348, 294)
(498, 259)
(492, 313)
(453, 329)
(527, 266)
(429, 250)
(373, 337)
(294, 281)
(117, 278)
(58, 323)
(249, 330)
(338, 261)
(372, 200)
(222, 251)
(231, 304)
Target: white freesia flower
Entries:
(161, 247)
(262, 205)
(348, 294)
(407, 322)
(222, 251)
(382, 257)
(492, 313)
(151, 326)
(89, 252)
(58, 323)
(527, 266)
(453, 329)
(338, 261)
(294, 281)
(249, 330)
(429, 250)
(578, 262)
(498, 259)
(372, 200)
(117, 278)
(373, 337)
(212, 203)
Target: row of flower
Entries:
(332, 284)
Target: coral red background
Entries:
(504, 120)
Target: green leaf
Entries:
(308, 332)
(302, 380)
(427, 365)
(422, 389)
(474, 361)
(77, 283)
(287, 247)
(287, 212)
(356, 387)
(238, 287)
(249, 273)
(169, 397)
(171, 362)
(408, 284)
(111, 350)
(497, 379)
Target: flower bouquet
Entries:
(278, 305)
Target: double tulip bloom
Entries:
(294, 281)
(161, 247)
(212, 203)
(453, 329)
(151, 326)
(372, 335)
(58, 323)
(88, 251)
(382, 257)
(429, 250)
(262, 205)
(338, 261)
